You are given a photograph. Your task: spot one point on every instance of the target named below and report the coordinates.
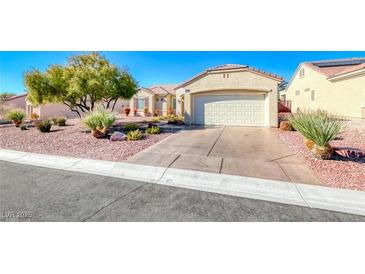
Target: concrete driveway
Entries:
(244, 151)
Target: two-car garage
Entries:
(231, 94)
(240, 110)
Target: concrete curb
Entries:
(342, 200)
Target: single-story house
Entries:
(230, 95)
(49, 110)
(337, 86)
(155, 100)
(18, 101)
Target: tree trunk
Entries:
(115, 101)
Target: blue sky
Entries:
(155, 67)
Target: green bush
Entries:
(44, 126)
(153, 130)
(174, 119)
(318, 126)
(134, 135)
(61, 122)
(131, 127)
(100, 119)
(23, 127)
(54, 120)
(15, 114)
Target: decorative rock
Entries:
(118, 136)
(285, 125)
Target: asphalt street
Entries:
(29, 193)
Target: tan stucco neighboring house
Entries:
(50, 110)
(18, 101)
(230, 95)
(158, 100)
(337, 86)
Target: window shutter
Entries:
(146, 102)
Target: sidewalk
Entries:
(312, 196)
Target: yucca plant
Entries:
(16, 115)
(319, 127)
(99, 122)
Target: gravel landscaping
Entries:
(341, 172)
(74, 140)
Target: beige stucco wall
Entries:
(343, 97)
(238, 82)
(19, 102)
(120, 105)
(54, 110)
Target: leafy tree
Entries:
(86, 81)
(6, 95)
(282, 85)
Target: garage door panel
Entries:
(245, 110)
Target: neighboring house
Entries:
(50, 110)
(230, 95)
(158, 100)
(337, 86)
(17, 101)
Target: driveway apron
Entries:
(245, 151)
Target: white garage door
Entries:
(243, 110)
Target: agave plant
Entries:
(319, 127)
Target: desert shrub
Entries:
(156, 119)
(134, 135)
(131, 127)
(174, 119)
(23, 127)
(54, 120)
(15, 114)
(44, 126)
(100, 119)
(153, 130)
(318, 126)
(34, 116)
(61, 122)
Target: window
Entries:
(297, 92)
(140, 103)
(301, 73)
(174, 103)
(162, 99)
(313, 95)
(157, 99)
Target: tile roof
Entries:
(231, 67)
(17, 96)
(162, 89)
(332, 68)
